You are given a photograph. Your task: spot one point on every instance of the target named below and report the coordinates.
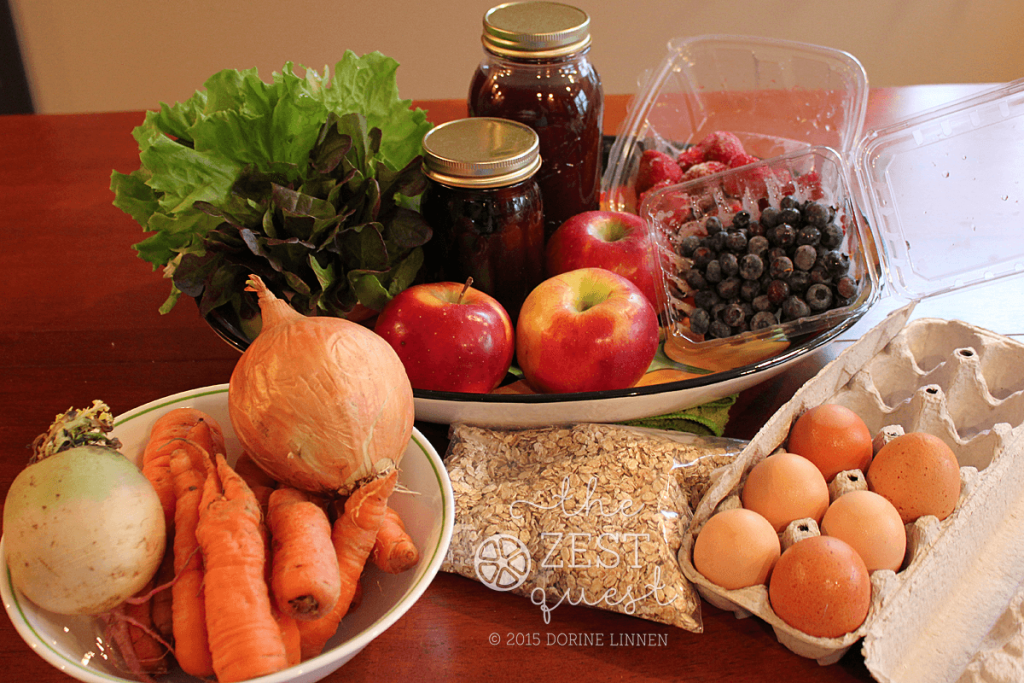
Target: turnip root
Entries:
(83, 528)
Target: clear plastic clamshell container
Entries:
(800, 94)
(948, 178)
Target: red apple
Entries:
(586, 330)
(613, 240)
(449, 336)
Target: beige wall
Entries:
(133, 54)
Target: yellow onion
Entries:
(319, 403)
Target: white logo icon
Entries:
(502, 562)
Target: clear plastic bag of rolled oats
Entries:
(585, 514)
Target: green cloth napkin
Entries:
(707, 419)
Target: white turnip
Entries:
(83, 528)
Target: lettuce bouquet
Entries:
(311, 182)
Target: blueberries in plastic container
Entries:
(752, 273)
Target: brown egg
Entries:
(919, 474)
(833, 437)
(736, 548)
(821, 587)
(871, 525)
(785, 487)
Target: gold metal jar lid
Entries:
(481, 152)
(536, 29)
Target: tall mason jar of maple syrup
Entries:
(536, 70)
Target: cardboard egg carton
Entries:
(957, 600)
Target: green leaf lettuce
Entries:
(311, 182)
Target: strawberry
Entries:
(690, 156)
(755, 180)
(810, 184)
(721, 146)
(652, 189)
(742, 159)
(672, 212)
(704, 168)
(655, 167)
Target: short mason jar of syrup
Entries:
(536, 70)
(484, 205)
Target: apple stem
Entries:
(469, 281)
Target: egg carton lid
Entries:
(949, 176)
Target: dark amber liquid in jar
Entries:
(562, 100)
(494, 235)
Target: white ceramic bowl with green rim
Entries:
(77, 646)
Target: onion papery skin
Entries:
(320, 403)
(83, 531)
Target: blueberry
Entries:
(749, 289)
(846, 287)
(695, 279)
(755, 228)
(688, 245)
(719, 330)
(808, 235)
(799, 281)
(716, 242)
(699, 321)
(729, 288)
(751, 267)
(791, 215)
(736, 240)
(716, 310)
(782, 235)
(769, 218)
(713, 272)
(836, 263)
(777, 291)
(804, 257)
(789, 202)
(819, 297)
(701, 257)
(831, 236)
(758, 244)
(794, 308)
(713, 225)
(762, 320)
(817, 213)
(706, 299)
(730, 264)
(733, 315)
(741, 219)
(781, 267)
(762, 303)
(820, 275)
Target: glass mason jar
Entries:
(484, 205)
(536, 70)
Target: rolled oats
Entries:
(589, 514)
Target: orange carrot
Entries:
(290, 635)
(171, 427)
(353, 536)
(261, 483)
(394, 550)
(149, 651)
(191, 645)
(305, 580)
(245, 639)
(161, 601)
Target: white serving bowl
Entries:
(77, 646)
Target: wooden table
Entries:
(79, 321)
